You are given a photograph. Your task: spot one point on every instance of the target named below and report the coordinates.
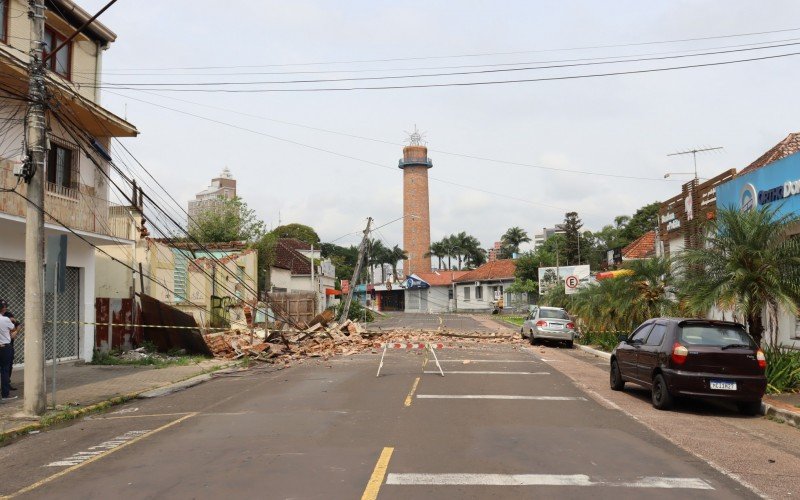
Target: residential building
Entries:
(494, 252)
(292, 271)
(772, 180)
(644, 247)
(75, 174)
(432, 292)
(481, 288)
(540, 238)
(197, 280)
(222, 188)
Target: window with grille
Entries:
(61, 169)
(478, 293)
(466, 294)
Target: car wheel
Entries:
(749, 407)
(522, 332)
(570, 344)
(617, 384)
(662, 399)
(534, 341)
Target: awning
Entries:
(613, 274)
(331, 291)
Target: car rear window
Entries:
(553, 314)
(714, 335)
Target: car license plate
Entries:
(723, 385)
(555, 326)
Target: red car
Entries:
(692, 357)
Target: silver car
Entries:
(549, 323)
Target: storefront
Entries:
(775, 185)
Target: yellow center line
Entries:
(98, 457)
(410, 396)
(376, 479)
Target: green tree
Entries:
(298, 231)
(511, 240)
(230, 220)
(644, 220)
(439, 250)
(378, 256)
(344, 258)
(747, 264)
(572, 234)
(395, 255)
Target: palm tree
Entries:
(438, 250)
(394, 255)
(377, 257)
(449, 247)
(746, 263)
(512, 239)
(622, 303)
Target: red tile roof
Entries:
(786, 147)
(288, 257)
(441, 278)
(295, 243)
(495, 270)
(642, 248)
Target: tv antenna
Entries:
(693, 152)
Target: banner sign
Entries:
(554, 276)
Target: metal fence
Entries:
(12, 289)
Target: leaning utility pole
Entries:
(35, 139)
(362, 248)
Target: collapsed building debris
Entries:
(324, 338)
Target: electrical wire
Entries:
(468, 84)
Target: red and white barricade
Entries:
(427, 346)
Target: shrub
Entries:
(606, 341)
(356, 312)
(783, 370)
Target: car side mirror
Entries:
(622, 337)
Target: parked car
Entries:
(691, 357)
(551, 323)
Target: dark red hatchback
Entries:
(692, 357)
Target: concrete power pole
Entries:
(362, 248)
(36, 139)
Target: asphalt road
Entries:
(502, 423)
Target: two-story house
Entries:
(76, 189)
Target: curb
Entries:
(596, 352)
(774, 411)
(176, 387)
(114, 401)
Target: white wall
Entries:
(437, 302)
(483, 304)
(280, 278)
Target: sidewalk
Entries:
(82, 385)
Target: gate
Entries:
(12, 289)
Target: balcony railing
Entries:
(78, 208)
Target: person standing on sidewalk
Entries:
(8, 330)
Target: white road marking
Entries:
(491, 373)
(487, 360)
(101, 448)
(499, 396)
(544, 480)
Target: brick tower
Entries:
(416, 210)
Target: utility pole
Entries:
(36, 139)
(362, 248)
(314, 288)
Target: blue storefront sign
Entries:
(776, 185)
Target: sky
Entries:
(329, 159)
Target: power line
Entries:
(436, 75)
(468, 84)
(481, 54)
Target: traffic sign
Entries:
(572, 281)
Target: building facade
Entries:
(432, 292)
(300, 268)
(222, 188)
(76, 172)
(481, 288)
(772, 181)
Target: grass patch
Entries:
(514, 320)
(156, 360)
(605, 341)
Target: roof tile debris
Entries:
(495, 270)
(789, 146)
